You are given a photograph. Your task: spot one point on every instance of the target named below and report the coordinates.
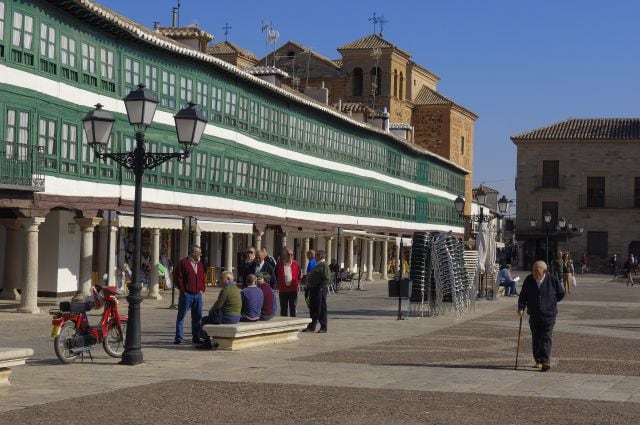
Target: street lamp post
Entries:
(547, 221)
(481, 196)
(141, 107)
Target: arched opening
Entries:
(401, 85)
(395, 83)
(357, 82)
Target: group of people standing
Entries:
(562, 268)
(252, 297)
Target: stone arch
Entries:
(357, 81)
(395, 83)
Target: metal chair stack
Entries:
(420, 269)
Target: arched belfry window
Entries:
(376, 80)
(401, 85)
(357, 82)
(395, 83)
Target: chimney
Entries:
(381, 120)
(321, 94)
(270, 74)
(190, 36)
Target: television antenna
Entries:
(271, 36)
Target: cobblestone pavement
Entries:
(369, 368)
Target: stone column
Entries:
(327, 246)
(29, 298)
(107, 253)
(197, 236)
(87, 226)
(350, 264)
(184, 239)
(154, 282)
(228, 263)
(305, 249)
(284, 243)
(12, 263)
(370, 262)
(214, 248)
(385, 247)
(257, 241)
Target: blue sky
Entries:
(518, 64)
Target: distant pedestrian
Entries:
(584, 264)
(288, 282)
(628, 270)
(567, 272)
(311, 255)
(613, 265)
(539, 295)
(318, 281)
(189, 277)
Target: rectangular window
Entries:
(550, 173)
(184, 171)
(214, 173)
(1, 21)
(186, 91)
(168, 99)
(216, 103)
(595, 192)
(166, 169)
(69, 149)
(89, 64)
(151, 77)
(17, 136)
(230, 107)
(89, 163)
(131, 74)
(241, 177)
(47, 42)
(22, 31)
(202, 97)
(462, 145)
(106, 70)
(227, 174)
(253, 180)
(597, 243)
(243, 113)
(201, 171)
(68, 58)
(264, 121)
(47, 141)
(636, 193)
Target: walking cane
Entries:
(518, 347)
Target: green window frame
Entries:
(254, 115)
(89, 160)
(186, 91)
(128, 145)
(151, 176)
(47, 140)
(185, 170)
(253, 175)
(216, 103)
(201, 170)
(168, 95)
(264, 121)
(2, 21)
(243, 113)
(68, 57)
(22, 38)
(107, 73)
(69, 148)
(89, 64)
(264, 183)
(202, 97)
(167, 177)
(132, 74)
(215, 163)
(242, 169)
(17, 134)
(228, 173)
(151, 77)
(230, 107)
(48, 48)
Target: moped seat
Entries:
(76, 307)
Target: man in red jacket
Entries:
(189, 278)
(288, 281)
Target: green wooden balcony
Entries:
(20, 168)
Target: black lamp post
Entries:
(547, 221)
(141, 107)
(481, 196)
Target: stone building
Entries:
(585, 170)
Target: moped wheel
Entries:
(113, 342)
(61, 343)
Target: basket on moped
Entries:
(73, 335)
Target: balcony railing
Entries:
(611, 201)
(20, 167)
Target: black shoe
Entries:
(322, 331)
(545, 367)
(308, 330)
(197, 340)
(205, 346)
(178, 341)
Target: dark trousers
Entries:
(318, 308)
(217, 317)
(541, 332)
(288, 301)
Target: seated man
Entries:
(504, 279)
(226, 309)
(252, 300)
(270, 305)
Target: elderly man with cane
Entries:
(540, 294)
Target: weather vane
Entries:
(226, 29)
(378, 20)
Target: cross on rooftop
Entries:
(226, 29)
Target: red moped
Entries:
(74, 336)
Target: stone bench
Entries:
(254, 334)
(10, 357)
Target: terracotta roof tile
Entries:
(426, 96)
(585, 128)
(184, 32)
(227, 47)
